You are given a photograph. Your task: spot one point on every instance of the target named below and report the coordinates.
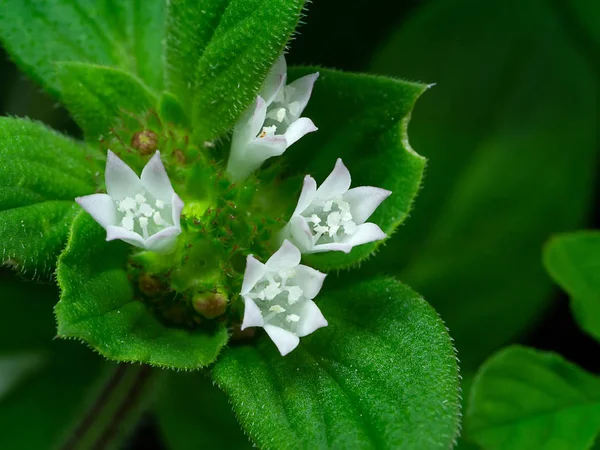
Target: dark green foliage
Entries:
(523, 399)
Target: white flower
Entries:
(278, 297)
(142, 211)
(272, 123)
(334, 217)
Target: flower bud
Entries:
(210, 304)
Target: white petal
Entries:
(309, 189)
(101, 207)
(366, 232)
(255, 270)
(302, 90)
(252, 314)
(176, 208)
(255, 153)
(337, 183)
(164, 240)
(275, 80)
(300, 234)
(364, 200)
(131, 237)
(298, 129)
(333, 247)
(309, 280)
(120, 180)
(155, 179)
(287, 257)
(312, 319)
(250, 124)
(283, 339)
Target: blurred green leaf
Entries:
(15, 368)
(97, 305)
(127, 34)
(383, 374)
(193, 413)
(41, 172)
(573, 260)
(525, 399)
(509, 131)
(363, 120)
(171, 111)
(247, 40)
(101, 97)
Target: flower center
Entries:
(330, 220)
(281, 113)
(279, 299)
(142, 214)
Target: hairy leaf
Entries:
(573, 260)
(120, 33)
(97, 305)
(41, 172)
(523, 399)
(246, 42)
(499, 182)
(383, 374)
(183, 407)
(101, 97)
(190, 28)
(363, 120)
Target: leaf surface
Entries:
(98, 306)
(127, 34)
(383, 374)
(523, 399)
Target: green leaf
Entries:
(573, 261)
(192, 413)
(190, 28)
(41, 172)
(525, 399)
(363, 120)
(101, 97)
(249, 37)
(171, 111)
(97, 305)
(499, 181)
(383, 374)
(126, 34)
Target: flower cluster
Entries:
(278, 295)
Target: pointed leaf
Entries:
(363, 120)
(126, 34)
(383, 374)
(524, 399)
(190, 28)
(97, 305)
(573, 261)
(499, 180)
(98, 97)
(249, 37)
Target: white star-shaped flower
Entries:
(278, 297)
(142, 211)
(334, 217)
(272, 123)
